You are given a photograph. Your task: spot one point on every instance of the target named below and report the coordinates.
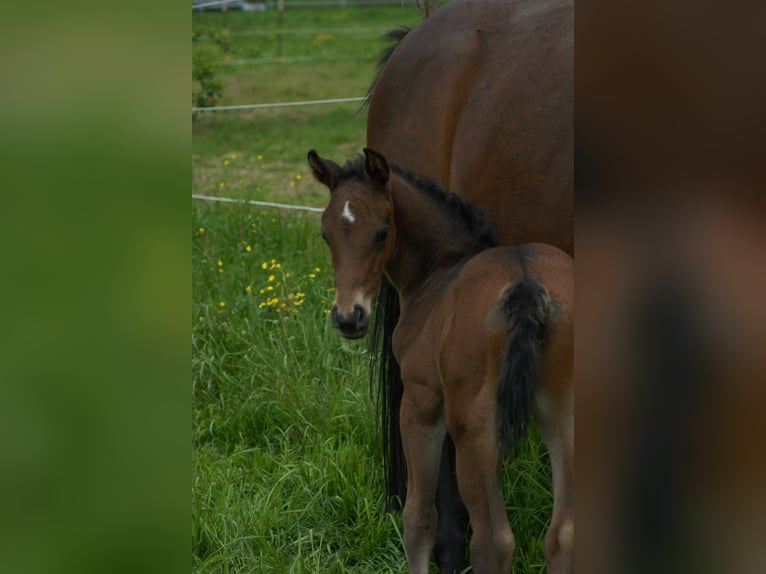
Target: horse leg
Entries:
(422, 430)
(449, 551)
(492, 543)
(556, 423)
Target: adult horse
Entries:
(478, 97)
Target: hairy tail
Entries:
(386, 382)
(526, 307)
(394, 36)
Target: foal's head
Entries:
(358, 227)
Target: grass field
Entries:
(286, 465)
(327, 53)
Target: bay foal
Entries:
(484, 339)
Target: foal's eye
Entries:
(380, 236)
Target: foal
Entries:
(484, 339)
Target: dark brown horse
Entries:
(485, 337)
(478, 97)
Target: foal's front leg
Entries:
(422, 429)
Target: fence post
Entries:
(281, 8)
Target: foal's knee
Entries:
(419, 526)
(493, 552)
(559, 548)
(505, 545)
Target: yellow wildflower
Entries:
(292, 184)
(220, 185)
(262, 291)
(222, 304)
(248, 289)
(299, 177)
(273, 261)
(201, 230)
(220, 263)
(278, 266)
(269, 288)
(233, 156)
(300, 302)
(264, 265)
(287, 275)
(260, 157)
(248, 249)
(317, 269)
(271, 278)
(226, 162)
(220, 270)
(312, 275)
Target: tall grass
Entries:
(286, 465)
(287, 471)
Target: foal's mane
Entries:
(463, 210)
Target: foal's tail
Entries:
(527, 308)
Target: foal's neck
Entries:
(431, 238)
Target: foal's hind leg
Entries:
(449, 551)
(423, 431)
(556, 423)
(472, 426)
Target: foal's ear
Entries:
(376, 167)
(325, 171)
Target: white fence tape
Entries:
(259, 203)
(277, 105)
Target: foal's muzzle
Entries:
(351, 326)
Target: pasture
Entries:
(287, 473)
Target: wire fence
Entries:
(230, 5)
(258, 203)
(234, 5)
(357, 31)
(277, 105)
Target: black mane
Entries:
(461, 208)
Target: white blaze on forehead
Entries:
(347, 215)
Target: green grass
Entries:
(287, 473)
(342, 45)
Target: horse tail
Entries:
(386, 383)
(526, 308)
(394, 36)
